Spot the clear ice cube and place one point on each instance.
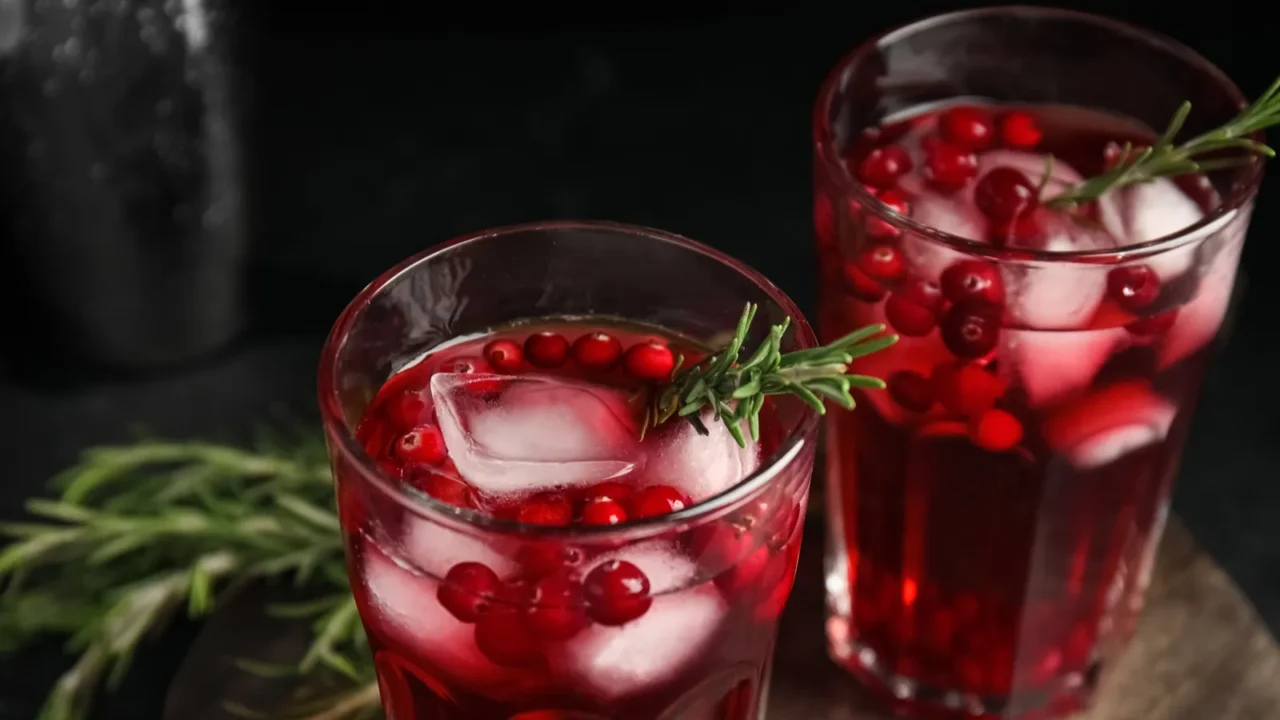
(536, 433)
(699, 465)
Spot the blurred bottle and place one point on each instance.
(122, 180)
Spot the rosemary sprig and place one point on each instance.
(1164, 159)
(140, 532)
(734, 390)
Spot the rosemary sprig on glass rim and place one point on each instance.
(1165, 159)
(734, 390)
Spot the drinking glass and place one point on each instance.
(968, 576)
(703, 649)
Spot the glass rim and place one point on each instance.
(343, 439)
(1248, 177)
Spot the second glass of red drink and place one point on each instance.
(995, 514)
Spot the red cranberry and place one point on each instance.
(966, 389)
(444, 488)
(911, 390)
(503, 355)
(603, 512)
(423, 444)
(597, 351)
(546, 349)
(1020, 130)
(883, 165)
(949, 167)
(468, 590)
(502, 634)
(720, 545)
(1133, 287)
(861, 285)
(546, 508)
(973, 280)
(883, 262)
(556, 610)
(745, 572)
(971, 329)
(391, 468)
(995, 430)
(617, 592)
(408, 409)
(649, 361)
(1022, 231)
(547, 558)
(967, 127)
(912, 309)
(657, 500)
(881, 228)
(613, 490)
(1154, 325)
(1005, 194)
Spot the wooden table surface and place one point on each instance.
(1201, 653)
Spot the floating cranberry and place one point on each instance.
(967, 127)
(503, 355)
(468, 590)
(971, 329)
(883, 165)
(556, 609)
(949, 167)
(547, 558)
(444, 488)
(913, 309)
(617, 592)
(995, 430)
(613, 490)
(720, 545)
(881, 228)
(423, 444)
(407, 409)
(1022, 231)
(745, 572)
(391, 468)
(658, 500)
(973, 280)
(502, 634)
(545, 508)
(911, 390)
(1154, 325)
(966, 389)
(1133, 287)
(546, 349)
(597, 351)
(1020, 130)
(603, 512)
(1005, 194)
(883, 262)
(860, 284)
(649, 361)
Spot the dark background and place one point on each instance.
(379, 130)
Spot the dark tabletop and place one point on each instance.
(378, 134)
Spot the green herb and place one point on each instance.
(1164, 159)
(734, 390)
(140, 532)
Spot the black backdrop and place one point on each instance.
(381, 128)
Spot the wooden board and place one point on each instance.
(1201, 653)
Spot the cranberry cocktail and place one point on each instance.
(995, 513)
(526, 538)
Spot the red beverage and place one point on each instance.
(998, 507)
(573, 572)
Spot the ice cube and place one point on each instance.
(1153, 210)
(1052, 365)
(539, 432)
(699, 465)
(408, 612)
(435, 548)
(613, 662)
(1109, 423)
(928, 258)
(1058, 295)
(1199, 319)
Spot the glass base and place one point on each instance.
(910, 698)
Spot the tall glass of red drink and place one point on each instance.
(994, 515)
(517, 549)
